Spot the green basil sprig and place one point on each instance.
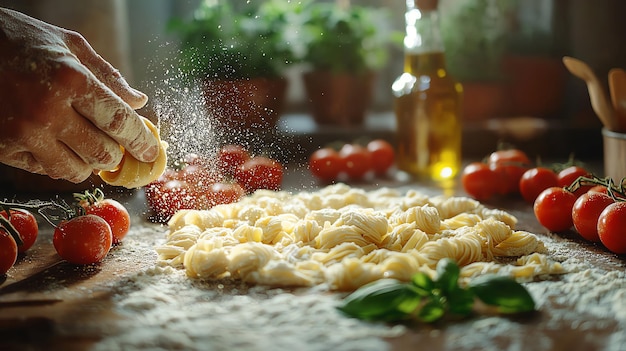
(429, 300)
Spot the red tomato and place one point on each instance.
(357, 160)
(383, 155)
(479, 181)
(598, 189)
(510, 165)
(218, 193)
(325, 164)
(612, 227)
(114, 213)
(164, 199)
(586, 212)
(260, 172)
(83, 240)
(553, 209)
(536, 180)
(568, 175)
(8, 251)
(26, 225)
(230, 157)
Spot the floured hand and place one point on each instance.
(65, 111)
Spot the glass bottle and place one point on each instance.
(427, 100)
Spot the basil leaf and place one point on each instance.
(431, 311)
(503, 292)
(448, 273)
(383, 300)
(461, 301)
(422, 282)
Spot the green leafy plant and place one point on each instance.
(428, 300)
(351, 39)
(229, 41)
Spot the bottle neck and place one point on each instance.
(423, 45)
(422, 31)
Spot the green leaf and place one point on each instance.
(431, 311)
(423, 282)
(503, 292)
(382, 300)
(461, 301)
(447, 275)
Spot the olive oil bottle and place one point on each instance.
(427, 100)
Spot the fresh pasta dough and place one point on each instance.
(345, 237)
(132, 173)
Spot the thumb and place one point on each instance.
(104, 71)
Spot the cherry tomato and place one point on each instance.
(114, 213)
(8, 251)
(357, 160)
(568, 175)
(326, 164)
(553, 209)
(479, 181)
(230, 157)
(383, 155)
(510, 165)
(536, 180)
(218, 193)
(260, 172)
(83, 240)
(598, 189)
(26, 225)
(586, 212)
(611, 227)
(164, 199)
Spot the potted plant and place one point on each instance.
(532, 62)
(345, 45)
(475, 39)
(239, 53)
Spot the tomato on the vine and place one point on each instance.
(230, 157)
(326, 164)
(611, 224)
(509, 165)
(114, 213)
(479, 181)
(357, 160)
(260, 172)
(568, 175)
(8, 251)
(382, 154)
(26, 225)
(536, 180)
(83, 240)
(553, 209)
(586, 212)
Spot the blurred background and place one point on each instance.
(507, 54)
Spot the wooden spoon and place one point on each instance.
(599, 99)
(617, 88)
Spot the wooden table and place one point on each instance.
(48, 304)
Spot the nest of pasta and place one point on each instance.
(344, 237)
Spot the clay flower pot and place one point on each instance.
(245, 104)
(338, 98)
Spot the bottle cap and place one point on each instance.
(426, 5)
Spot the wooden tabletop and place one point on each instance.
(48, 304)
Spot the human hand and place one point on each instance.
(64, 110)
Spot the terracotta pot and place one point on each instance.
(338, 99)
(250, 104)
(537, 85)
(485, 100)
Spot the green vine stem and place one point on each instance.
(616, 191)
(51, 211)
